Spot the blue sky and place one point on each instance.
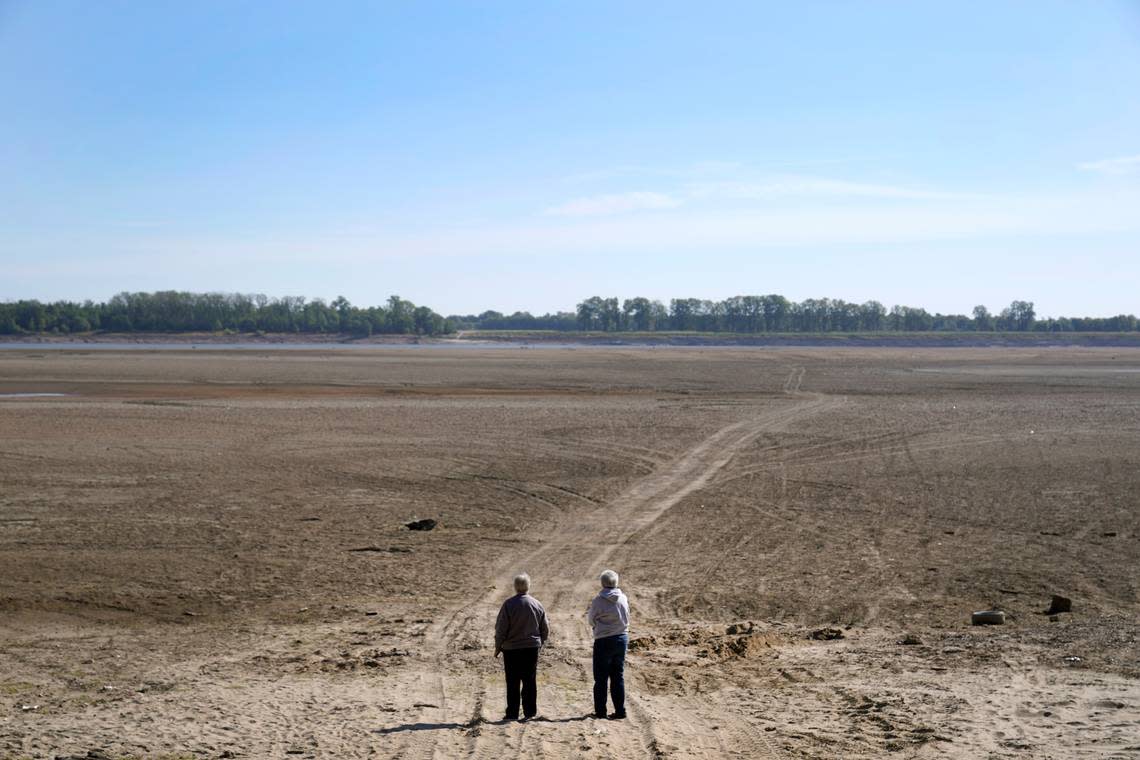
(473, 156)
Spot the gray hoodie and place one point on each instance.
(609, 613)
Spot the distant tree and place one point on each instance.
(983, 320)
(344, 312)
(871, 314)
(590, 314)
(777, 313)
(638, 314)
(1019, 315)
(401, 319)
(611, 315)
(685, 313)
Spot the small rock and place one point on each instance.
(910, 640)
(1059, 604)
(988, 617)
(826, 634)
(1072, 660)
(426, 524)
(737, 628)
(1054, 618)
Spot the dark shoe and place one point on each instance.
(600, 716)
(510, 717)
(617, 716)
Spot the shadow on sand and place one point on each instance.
(474, 724)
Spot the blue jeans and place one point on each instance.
(609, 665)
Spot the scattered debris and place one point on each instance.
(1109, 534)
(1059, 604)
(988, 617)
(29, 708)
(425, 524)
(910, 640)
(826, 634)
(1072, 660)
(643, 642)
(736, 628)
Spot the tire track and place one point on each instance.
(565, 567)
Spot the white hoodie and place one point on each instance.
(609, 613)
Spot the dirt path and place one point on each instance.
(462, 704)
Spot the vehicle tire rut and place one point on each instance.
(565, 567)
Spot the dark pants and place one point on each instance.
(520, 666)
(609, 665)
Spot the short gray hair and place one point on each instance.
(522, 583)
(609, 579)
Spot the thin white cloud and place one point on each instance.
(799, 186)
(1119, 165)
(707, 231)
(605, 205)
(767, 188)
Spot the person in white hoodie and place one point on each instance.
(609, 617)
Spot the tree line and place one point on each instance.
(174, 312)
(777, 314)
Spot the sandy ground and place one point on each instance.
(203, 554)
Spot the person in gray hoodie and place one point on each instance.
(609, 617)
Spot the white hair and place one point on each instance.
(609, 579)
(522, 583)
